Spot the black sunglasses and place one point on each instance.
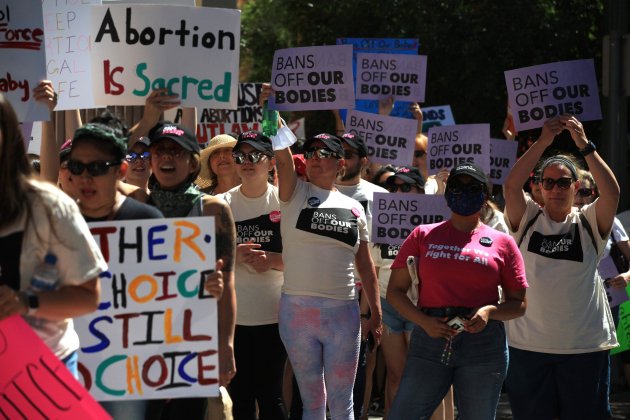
(402, 188)
(253, 157)
(321, 153)
(419, 153)
(459, 187)
(133, 156)
(585, 192)
(563, 183)
(96, 168)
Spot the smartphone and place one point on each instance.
(458, 323)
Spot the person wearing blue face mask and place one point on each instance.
(458, 338)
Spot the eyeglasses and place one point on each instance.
(563, 183)
(253, 157)
(96, 168)
(586, 192)
(419, 153)
(133, 156)
(175, 152)
(402, 188)
(321, 153)
(459, 187)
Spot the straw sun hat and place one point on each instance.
(218, 142)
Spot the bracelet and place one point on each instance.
(365, 316)
(588, 149)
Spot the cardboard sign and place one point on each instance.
(451, 145)
(312, 78)
(623, 329)
(436, 116)
(539, 93)
(388, 139)
(22, 57)
(502, 158)
(400, 76)
(395, 215)
(194, 52)
(68, 46)
(407, 46)
(34, 383)
(155, 332)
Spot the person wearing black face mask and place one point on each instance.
(458, 338)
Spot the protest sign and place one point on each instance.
(388, 139)
(154, 334)
(34, 383)
(451, 145)
(395, 215)
(312, 78)
(623, 329)
(539, 93)
(68, 46)
(436, 116)
(407, 46)
(502, 158)
(381, 76)
(191, 51)
(22, 57)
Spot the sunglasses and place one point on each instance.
(133, 156)
(96, 168)
(419, 153)
(585, 192)
(402, 188)
(459, 187)
(321, 153)
(253, 157)
(563, 183)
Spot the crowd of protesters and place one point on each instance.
(315, 303)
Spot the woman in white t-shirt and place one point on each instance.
(558, 349)
(324, 235)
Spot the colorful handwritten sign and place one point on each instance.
(623, 329)
(155, 332)
(539, 93)
(312, 78)
(34, 383)
(68, 46)
(436, 116)
(400, 76)
(389, 139)
(502, 158)
(451, 145)
(395, 215)
(191, 51)
(22, 56)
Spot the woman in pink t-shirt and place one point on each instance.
(459, 338)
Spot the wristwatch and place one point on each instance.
(32, 302)
(588, 149)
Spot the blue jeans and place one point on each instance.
(476, 368)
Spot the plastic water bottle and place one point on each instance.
(46, 276)
(270, 121)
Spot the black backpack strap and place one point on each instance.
(589, 230)
(527, 227)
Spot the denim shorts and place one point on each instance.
(394, 322)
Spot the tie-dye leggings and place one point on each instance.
(321, 336)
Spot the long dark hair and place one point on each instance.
(15, 169)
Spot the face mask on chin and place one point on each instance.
(466, 203)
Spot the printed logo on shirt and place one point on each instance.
(567, 246)
(314, 201)
(485, 241)
(389, 252)
(260, 230)
(275, 216)
(338, 224)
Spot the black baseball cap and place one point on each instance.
(257, 140)
(176, 132)
(471, 170)
(331, 142)
(408, 174)
(356, 142)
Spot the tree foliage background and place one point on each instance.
(469, 44)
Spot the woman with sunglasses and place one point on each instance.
(37, 219)
(175, 165)
(459, 338)
(325, 234)
(558, 349)
(258, 349)
(138, 158)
